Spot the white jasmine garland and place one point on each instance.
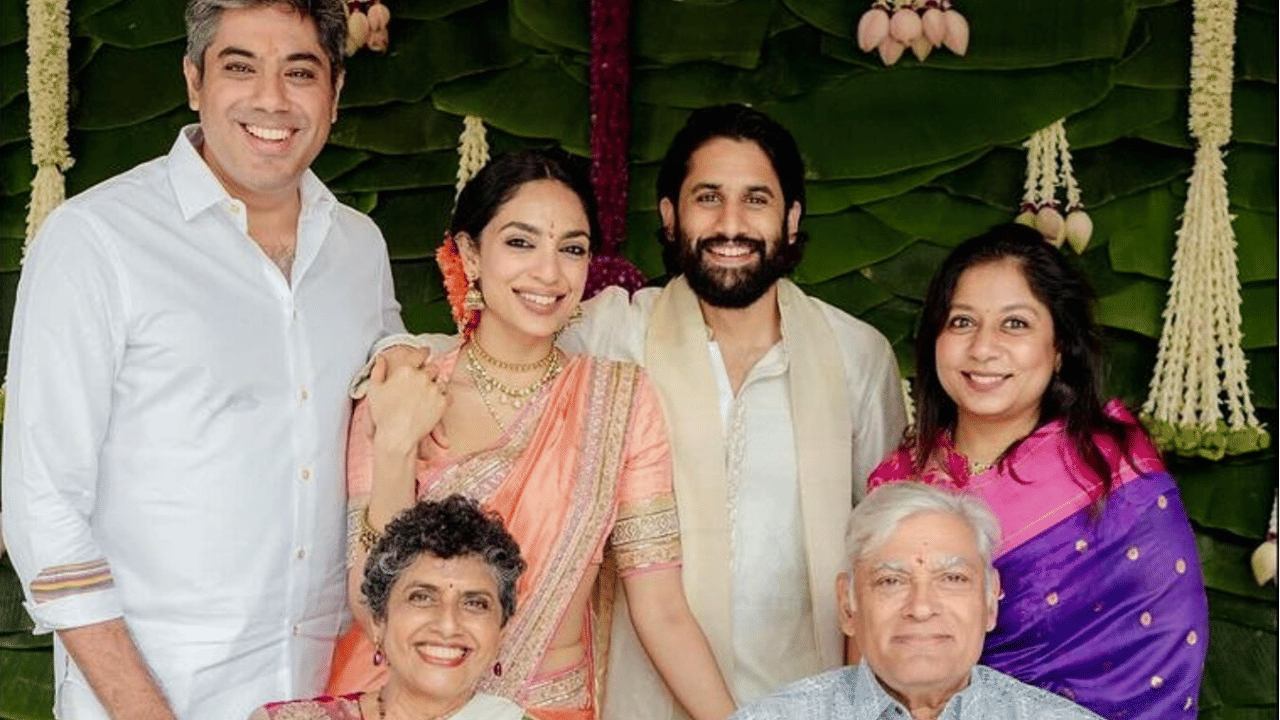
(1200, 370)
(47, 79)
(908, 403)
(473, 150)
(1049, 168)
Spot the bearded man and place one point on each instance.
(779, 405)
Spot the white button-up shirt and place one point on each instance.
(175, 431)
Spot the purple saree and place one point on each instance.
(1105, 608)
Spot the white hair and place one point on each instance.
(879, 515)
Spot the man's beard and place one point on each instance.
(730, 287)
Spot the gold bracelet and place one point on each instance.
(368, 536)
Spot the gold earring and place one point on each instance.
(474, 299)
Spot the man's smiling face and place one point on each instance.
(731, 223)
(266, 99)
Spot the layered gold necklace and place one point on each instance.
(488, 386)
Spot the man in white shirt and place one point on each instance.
(177, 407)
(779, 405)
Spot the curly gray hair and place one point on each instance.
(453, 527)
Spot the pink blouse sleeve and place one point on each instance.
(646, 535)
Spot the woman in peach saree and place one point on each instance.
(571, 451)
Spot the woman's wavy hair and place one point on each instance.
(1075, 391)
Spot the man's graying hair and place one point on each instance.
(879, 515)
(330, 19)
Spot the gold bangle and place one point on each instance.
(368, 536)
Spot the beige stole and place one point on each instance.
(677, 359)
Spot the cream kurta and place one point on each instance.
(843, 375)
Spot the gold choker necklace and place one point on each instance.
(486, 384)
(509, 366)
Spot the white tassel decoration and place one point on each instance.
(1264, 558)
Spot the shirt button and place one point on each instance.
(304, 394)
(301, 554)
(297, 630)
(306, 473)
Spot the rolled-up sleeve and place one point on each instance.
(67, 341)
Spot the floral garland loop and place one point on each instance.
(48, 41)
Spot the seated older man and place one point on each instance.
(919, 596)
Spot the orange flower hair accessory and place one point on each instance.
(455, 286)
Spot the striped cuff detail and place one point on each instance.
(62, 581)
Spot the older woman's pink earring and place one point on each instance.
(474, 300)
(379, 658)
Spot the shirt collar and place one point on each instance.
(879, 702)
(197, 189)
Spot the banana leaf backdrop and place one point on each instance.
(903, 163)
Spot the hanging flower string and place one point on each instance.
(1199, 401)
(473, 151)
(892, 26)
(1264, 558)
(48, 41)
(368, 25)
(47, 78)
(610, 140)
(1048, 169)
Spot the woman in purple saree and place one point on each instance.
(1102, 595)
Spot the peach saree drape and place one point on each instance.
(583, 469)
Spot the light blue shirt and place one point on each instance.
(853, 693)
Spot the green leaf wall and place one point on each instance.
(904, 162)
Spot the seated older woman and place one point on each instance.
(441, 584)
(1103, 597)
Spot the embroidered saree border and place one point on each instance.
(646, 533)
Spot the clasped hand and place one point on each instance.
(407, 397)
